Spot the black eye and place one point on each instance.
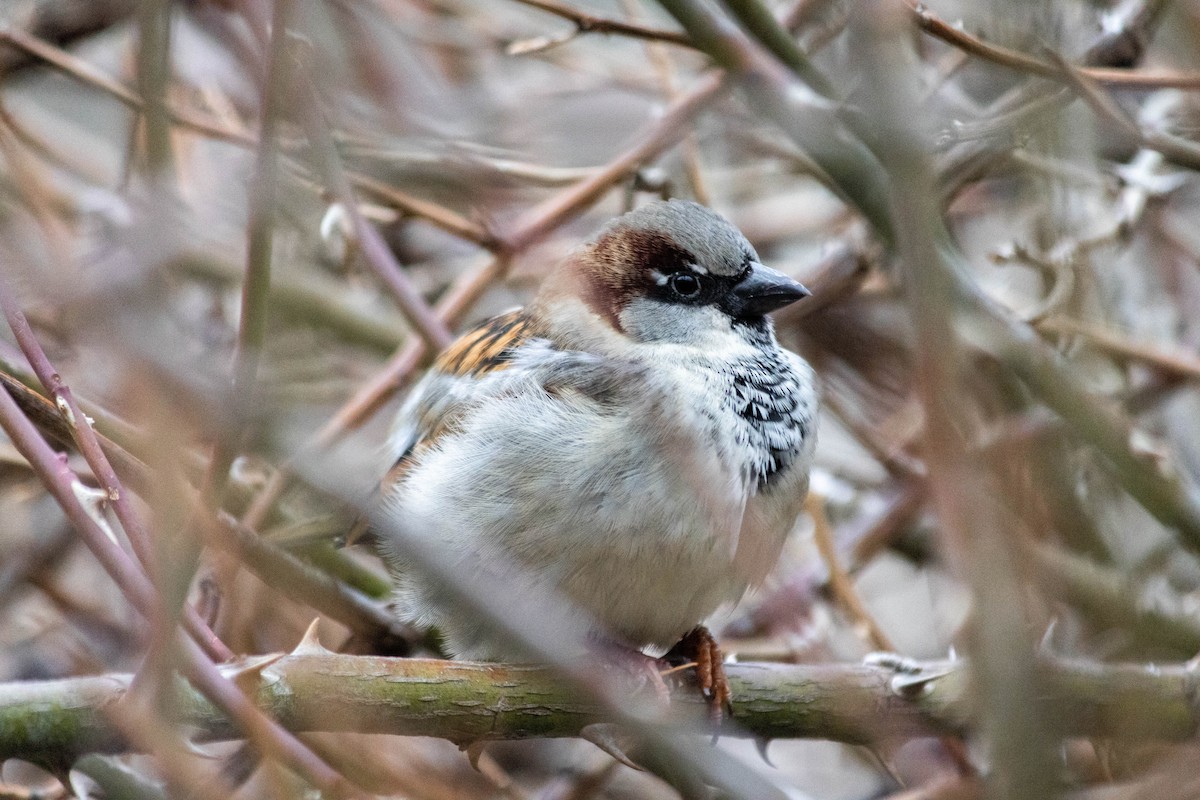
(685, 285)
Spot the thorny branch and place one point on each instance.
(463, 702)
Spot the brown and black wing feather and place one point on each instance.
(486, 349)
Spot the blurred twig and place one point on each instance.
(81, 433)
(1174, 148)
(279, 569)
(59, 21)
(303, 583)
(840, 583)
(199, 122)
(73, 497)
(971, 521)
(804, 112)
(275, 95)
(1108, 597)
(312, 300)
(154, 78)
(660, 57)
(535, 225)
(1178, 363)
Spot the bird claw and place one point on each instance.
(700, 648)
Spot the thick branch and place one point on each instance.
(462, 702)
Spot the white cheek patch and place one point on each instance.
(647, 320)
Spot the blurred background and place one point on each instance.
(239, 229)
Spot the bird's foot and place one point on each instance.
(699, 649)
(628, 669)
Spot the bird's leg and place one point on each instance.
(700, 648)
(629, 668)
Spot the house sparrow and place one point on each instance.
(635, 439)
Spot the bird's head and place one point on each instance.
(673, 271)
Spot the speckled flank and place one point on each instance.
(766, 394)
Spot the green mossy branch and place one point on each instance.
(56, 721)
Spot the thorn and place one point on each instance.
(908, 685)
(893, 661)
(910, 676)
(538, 44)
(64, 408)
(884, 763)
(93, 502)
(210, 753)
(604, 736)
(1047, 640)
(310, 644)
(247, 672)
(761, 745)
(474, 752)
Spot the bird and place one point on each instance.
(635, 439)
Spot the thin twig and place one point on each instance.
(436, 215)
(432, 330)
(267, 734)
(82, 434)
(666, 130)
(67, 489)
(1179, 364)
(1109, 598)
(63, 484)
(663, 66)
(881, 530)
(796, 103)
(840, 584)
(1176, 149)
(297, 580)
(533, 227)
(281, 570)
(930, 23)
(771, 33)
(88, 75)
(587, 23)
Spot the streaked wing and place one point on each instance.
(488, 347)
(457, 380)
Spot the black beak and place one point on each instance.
(762, 291)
